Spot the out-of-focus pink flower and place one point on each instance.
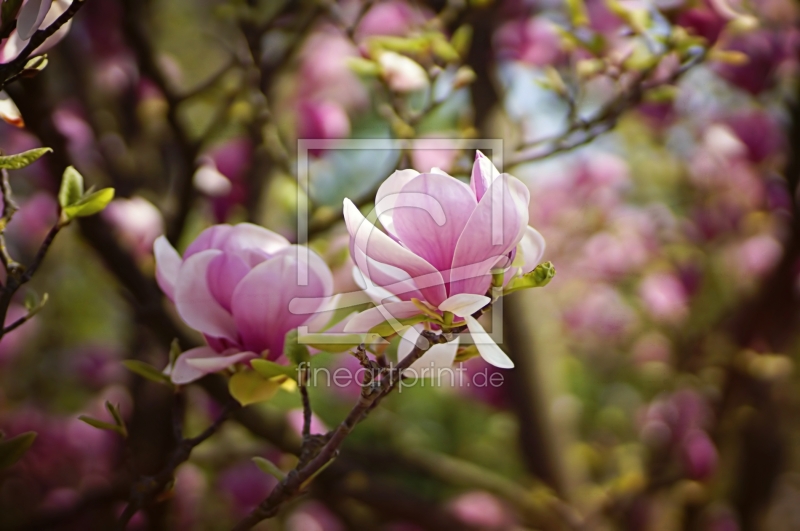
(652, 347)
(36, 216)
(192, 486)
(443, 240)
(533, 41)
(434, 158)
(402, 73)
(235, 284)
(756, 256)
(313, 516)
(699, 455)
(664, 297)
(325, 73)
(477, 379)
(245, 485)
(765, 50)
(322, 120)
(226, 183)
(481, 510)
(33, 15)
(295, 420)
(602, 312)
(702, 21)
(394, 17)
(137, 221)
(759, 132)
(14, 341)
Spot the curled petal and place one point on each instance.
(197, 362)
(9, 111)
(211, 238)
(31, 16)
(532, 246)
(387, 196)
(437, 357)
(487, 348)
(483, 175)
(495, 227)
(369, 319)
(168, 263)
(196, 304)
(254, 243)
(381, 248)
(382, 282)
(464, 304)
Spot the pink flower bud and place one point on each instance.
(699, 455)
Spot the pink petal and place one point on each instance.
(194, 301)
(532, 246)
(418, 219)
(168, 263)
(483, 175)
(31, 16)
(261, 300)
(381, 248)
(464, 304)
(255, 244)
(494, 229)
(381, 281)
(487, 348)
(182, 372)
(224, 274)
(368, 319)
(218, 363)
(211, 238)
(437, 357)
(387, 195)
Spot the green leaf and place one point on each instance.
(102, 425)
(114, 410)
(146, 371)
(270, 468)
(249, 387)
(11, 450)
(90, 204)
(537, 278)
(295, 352)
(20, 160)
(387, 328)
(71, 189)
(338, 343)
(270, 369)
(461, 39)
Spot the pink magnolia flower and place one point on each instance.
(235, 285)
(34, 15)
(443, 241)
(137, 221)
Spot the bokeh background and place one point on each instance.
(655, 386)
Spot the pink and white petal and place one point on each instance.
(211, 238)
(532, 246)
(168, 263)
(194, 301)
(224, 274)
(31, 16)
(387, 194)
(217, 363)
(382, 281)
(483, 175)
(437, 357)
(369, 319)
(494, 229)
(381, 248)
(487, 348)
(183, 373)
(255, 244)
(57, 8)
(464, 304)
(261, 302)
(430, 214)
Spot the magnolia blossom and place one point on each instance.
(34, 15)
(444, 240)
(402, 73)
(235, 284)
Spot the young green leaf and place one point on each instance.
(11, 450)
(20, 160)
(537, 278)
(71, 187)
(174, 352)
(295, 352)
(270, 369)
(270, 468)
(147, 371)
(249, 387)
(338, 343)
(102, 425)
(114, 410)
(90, 204)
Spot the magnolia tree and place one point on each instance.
(284, 297)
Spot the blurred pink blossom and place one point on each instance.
(137, 222)
(664, 297)
(481, 510)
